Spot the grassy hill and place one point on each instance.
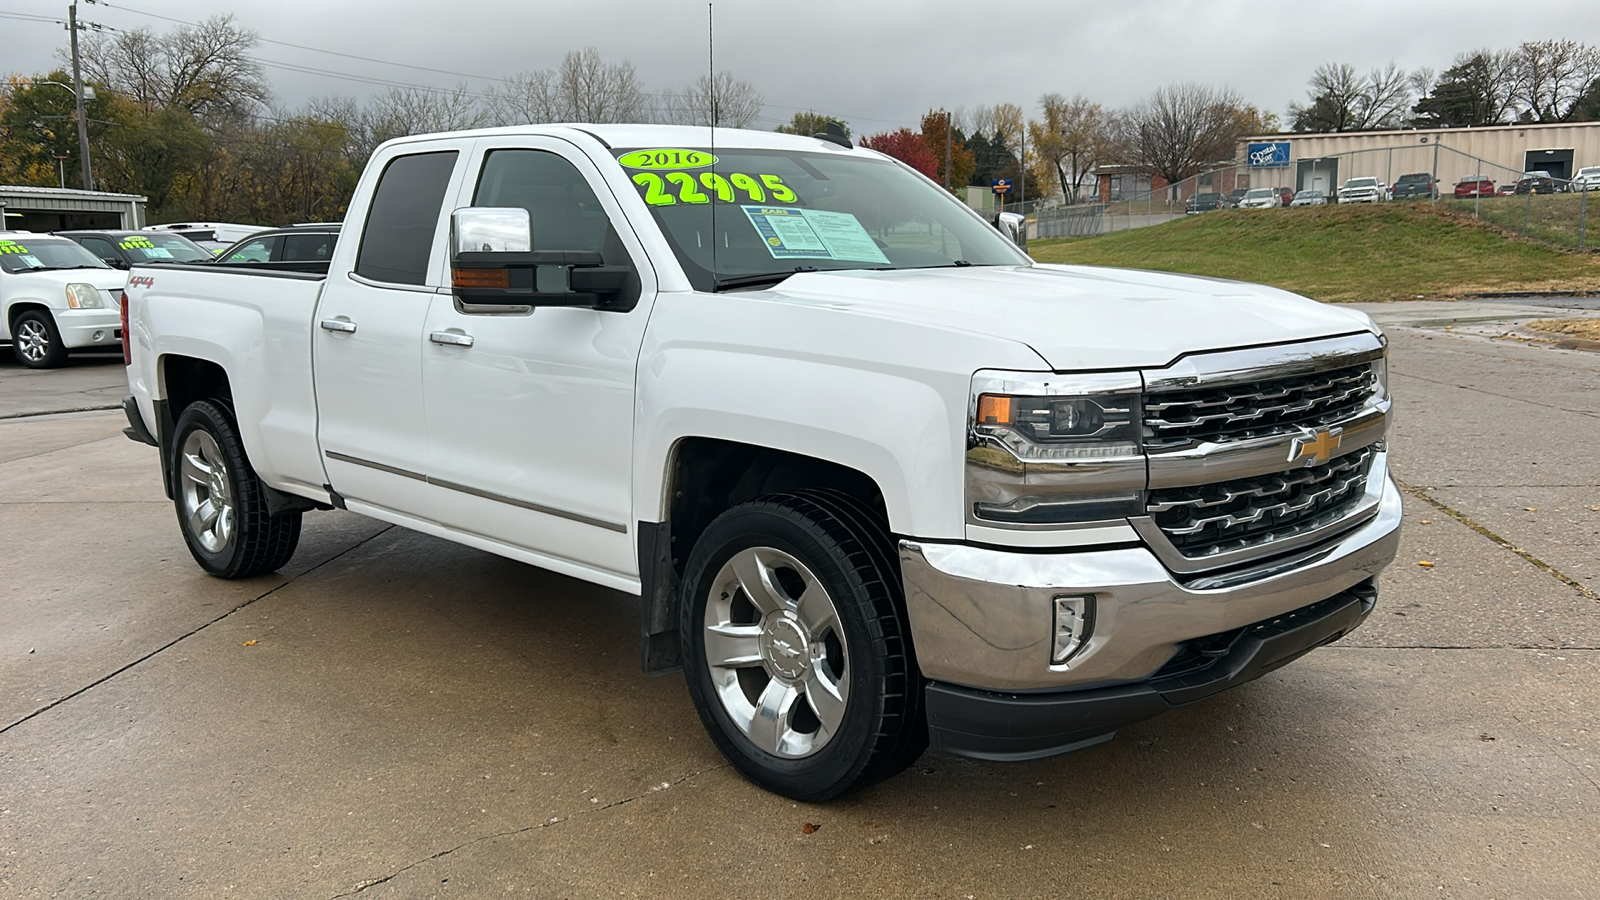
(1340, 253)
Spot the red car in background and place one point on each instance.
(1474, 186)
(1285, 196)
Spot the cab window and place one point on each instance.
(257, 251)
(565, 212)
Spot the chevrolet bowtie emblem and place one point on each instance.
(1316, 447)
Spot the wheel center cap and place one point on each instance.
(784, 647)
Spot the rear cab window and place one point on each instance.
(397, 237)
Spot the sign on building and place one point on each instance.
(1267, 155)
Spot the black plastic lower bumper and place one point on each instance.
(1001, 726)
(136, 430)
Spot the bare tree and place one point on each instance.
(204, 69)
(737, 104)
(1072, 137)
(1550, 77)
(584, 88)
(412, 110)
(1343, 100)
(1180, 130)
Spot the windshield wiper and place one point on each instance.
(763, 278)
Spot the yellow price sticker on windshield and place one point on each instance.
(136, 243)
(666, 158)
(12, 247)
(673, 188)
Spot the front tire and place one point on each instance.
(36, 340)
(796, 652)
(221, 504)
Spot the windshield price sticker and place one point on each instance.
(12, 247)
(790, 233)
(136, 243)
(154, 252)
(683, 187)
(666, 158)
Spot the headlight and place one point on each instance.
(84, 296)
(1046, 450)
(1380, 377)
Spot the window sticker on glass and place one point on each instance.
(153, 252)
(136, 243)
(813, 234)
(666, 158)
(12, 247)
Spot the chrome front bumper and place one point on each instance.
(984, 618)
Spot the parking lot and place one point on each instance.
(396, 716)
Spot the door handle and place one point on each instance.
(341, 324)
(451, 338)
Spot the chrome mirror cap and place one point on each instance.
(485, 229)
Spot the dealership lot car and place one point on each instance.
(1586, 179)
(1206, 202)
(1261, 198)
(1418, 185)
(55, 297)
(126, 249)
(1537, 183)
(1309, 198)
(304, 248)
(1104, 494)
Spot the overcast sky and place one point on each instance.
(878, 64)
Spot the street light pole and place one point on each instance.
(77, 92)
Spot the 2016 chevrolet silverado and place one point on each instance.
(878, 477)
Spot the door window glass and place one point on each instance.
(565, 212)
(312, 247)
(397, 240)
(100, 247)
(257, 251)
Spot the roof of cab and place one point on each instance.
(636, 136)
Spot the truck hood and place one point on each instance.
(1080, 318)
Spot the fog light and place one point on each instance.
(99, 336)
(1074, 619)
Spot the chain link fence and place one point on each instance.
(1554, 207)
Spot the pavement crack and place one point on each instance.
(58, 412)
(1465, 387)
(1546, 648)
(1463, 518)
(555, 820)
(183, 637)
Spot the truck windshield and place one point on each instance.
(743, 214)
(28, 253)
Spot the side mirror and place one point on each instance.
(493, 263)
(115, 263)
(1014, 226)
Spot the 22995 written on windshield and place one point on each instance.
(662, 187)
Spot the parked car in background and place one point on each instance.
(1285, 196)
(1206, 202)
(1586, 179)
(1537, 183)
(55, 296)
(1309, 198)
(1260, 198)
(1362, 190)
(1415, 186)
(126, 249)
(1475, 186)
(1237, 194)
(299, 248)
(213, 236)
(1506, 190)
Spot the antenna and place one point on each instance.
(711, 89)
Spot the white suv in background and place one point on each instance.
(56, 296)
(1586, 179)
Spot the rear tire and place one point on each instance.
(221, 504)
(795, 647)
(36, 340)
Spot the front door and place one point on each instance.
(530, 414)
(368, 336)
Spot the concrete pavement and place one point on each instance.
(397, 716)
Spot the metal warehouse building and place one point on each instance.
(55, 209)
(1324, 161)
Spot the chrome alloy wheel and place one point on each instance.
(208, 506)
(776, 652)
(33, 340)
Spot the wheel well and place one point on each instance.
(16, 310)
(707, 477)
(186, 379)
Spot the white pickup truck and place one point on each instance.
(878, 477)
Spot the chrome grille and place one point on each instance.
(1234, 515)
(1177, 420)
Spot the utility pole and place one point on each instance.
(77, 91)
(947, 140)
(1022, 193)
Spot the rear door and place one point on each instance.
(367, 336)
(530, 414)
